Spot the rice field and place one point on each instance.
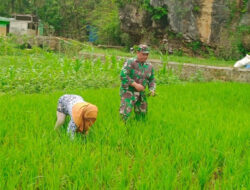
(196, 136)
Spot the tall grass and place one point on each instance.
(196, 136)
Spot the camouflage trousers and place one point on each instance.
(130, 100)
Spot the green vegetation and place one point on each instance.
(108, 27)
(46, 71)
(81, 20)
(244, 6)
(156, 13)
(176, 57)
(37, 70)
(196, 8)
(195, 45)
(195, 137)
(70, 18)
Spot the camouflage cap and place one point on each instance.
(143, 48)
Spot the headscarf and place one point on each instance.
(81, 112)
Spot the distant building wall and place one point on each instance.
(18, 27)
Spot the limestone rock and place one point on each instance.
(194, 20)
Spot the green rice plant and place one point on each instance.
(195, 136)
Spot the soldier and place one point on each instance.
(135, 75)
(82, 114)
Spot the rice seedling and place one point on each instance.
(196, 136)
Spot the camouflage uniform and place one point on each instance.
(141, 73)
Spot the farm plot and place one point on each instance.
(196, 136)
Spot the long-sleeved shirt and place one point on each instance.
(141, 73)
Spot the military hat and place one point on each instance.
(143, 48)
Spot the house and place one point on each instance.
(21, 24)
(24, 25)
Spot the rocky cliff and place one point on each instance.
(211, 22)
